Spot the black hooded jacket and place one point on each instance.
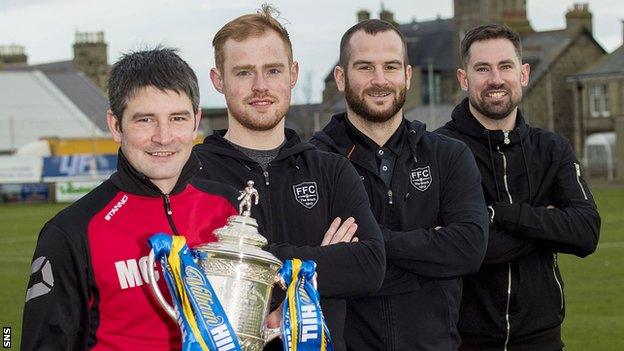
(301, 193)
(435, 182)
(542, 206)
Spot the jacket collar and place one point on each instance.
(339, 140)
(217, 144)
(128, 179)
(464, 122)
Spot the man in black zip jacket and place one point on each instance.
(424, 190)
(539, 204)
(302, 190)
(88, 288)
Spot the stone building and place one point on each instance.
(90, 58)
(598, 93)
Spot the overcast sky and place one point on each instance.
(46, 28)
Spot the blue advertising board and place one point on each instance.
(78, 167)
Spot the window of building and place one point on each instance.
(433, 91)
(599, 100)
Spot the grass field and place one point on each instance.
(594, 285)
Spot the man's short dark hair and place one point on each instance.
(161, 68)
(372, 27)
(488, 32)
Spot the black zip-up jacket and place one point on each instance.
(301, 192)
(516, 299)
(435, 182)
(88, 289)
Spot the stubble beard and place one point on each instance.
(359, 106)
(259, 122)
(495, 111)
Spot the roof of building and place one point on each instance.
(32, 106)
(76, 86)
(542, 49)
(430, 41)
(612, 64)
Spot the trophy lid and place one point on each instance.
(240, 235)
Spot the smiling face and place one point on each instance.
(156, 134)
(376, 78)
(494, 77)
(256, 78)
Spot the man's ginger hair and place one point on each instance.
(251, 25)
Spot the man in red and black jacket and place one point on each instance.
(88, 288)
(538, 202)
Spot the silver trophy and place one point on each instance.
(241, 273)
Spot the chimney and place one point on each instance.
(13, 55)
(386, 15)
(91, 57)
(363, 15)
(579, 16)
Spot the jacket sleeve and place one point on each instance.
(56, 309)
(573, 226)
(503, 247)
(459, 247)
(345, 269)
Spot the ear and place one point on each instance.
(462, 78)
(408, 76)
(114, 126)
(198, 116)
(524, 74)
(294, 74)
(339, 77)
(217, 79)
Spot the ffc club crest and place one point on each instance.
(306, 194)
(421, 178)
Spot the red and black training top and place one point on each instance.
(88, 288)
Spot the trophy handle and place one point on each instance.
(154, 285)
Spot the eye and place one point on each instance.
(179, 118)
(143, 120)
(274, 71)
(482, 69)
(364, 68)
(506, 67)
(243, 73)
(392, 67)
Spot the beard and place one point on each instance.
(364, 110)
(496, 111)
(255, 121)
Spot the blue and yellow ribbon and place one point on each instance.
(201, 318)
(303, 324)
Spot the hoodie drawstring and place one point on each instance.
(526, 166)
(293, 161)
(487, 134)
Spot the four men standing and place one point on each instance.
(388, 198)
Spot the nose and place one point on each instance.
(260, 84)
(379, 78)
(163, 134)
(495, 77)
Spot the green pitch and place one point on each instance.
(594, 285)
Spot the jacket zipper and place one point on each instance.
(577, 167)
(169, 214)
(266, 177)
(557, 279)
(505, 176)
(389, 197)
(506, 140)
(507, 322)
